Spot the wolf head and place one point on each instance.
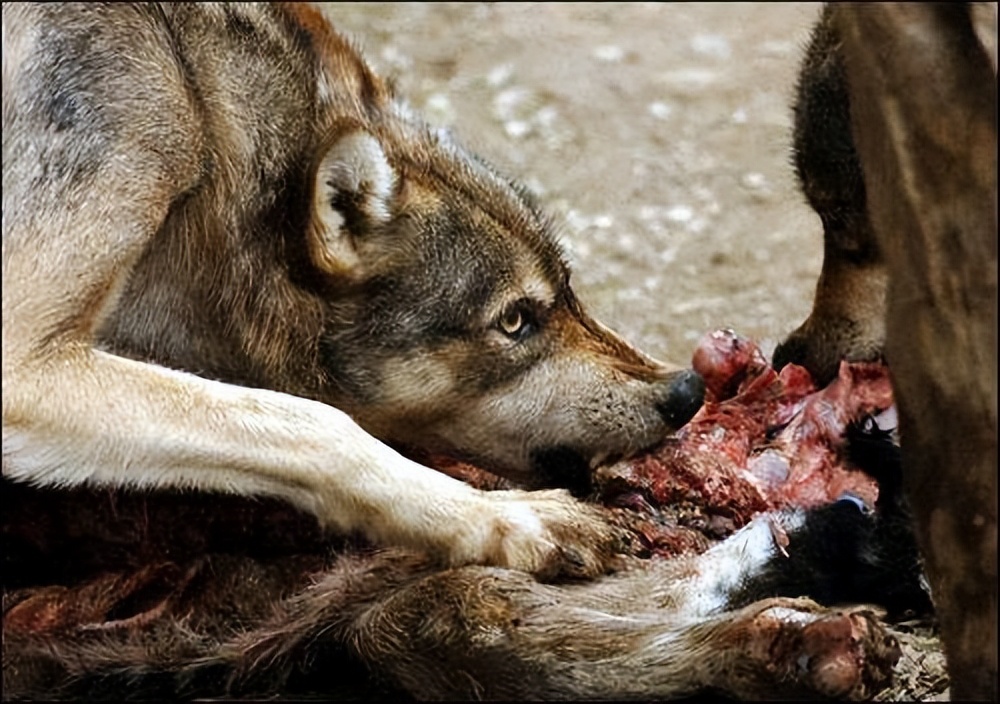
(454, 327)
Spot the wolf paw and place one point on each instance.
(551, 534)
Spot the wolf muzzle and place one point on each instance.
(567, 468)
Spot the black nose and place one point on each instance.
(684, 397)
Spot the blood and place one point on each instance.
(762, 441)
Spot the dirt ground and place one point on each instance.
(658, 136)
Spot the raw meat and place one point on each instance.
(763, 441)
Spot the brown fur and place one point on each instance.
(923, 89)
(207, 596)
(847, 319)
(895, 145)
(160, 212)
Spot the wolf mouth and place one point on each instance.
(562, 467)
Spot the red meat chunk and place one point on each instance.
(762, 441)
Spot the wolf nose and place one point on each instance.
(684, 397)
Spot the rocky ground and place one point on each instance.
(658, 136)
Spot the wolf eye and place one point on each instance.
(515, 322)
(511, 321)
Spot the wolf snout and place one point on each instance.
(683, 396)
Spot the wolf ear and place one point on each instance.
(354, 184)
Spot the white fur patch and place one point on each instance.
(324, 92)
(984, 23)
(726, 566)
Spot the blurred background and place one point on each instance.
(657, 135)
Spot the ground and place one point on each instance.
(658, 136)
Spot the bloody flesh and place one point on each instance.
(762, 441)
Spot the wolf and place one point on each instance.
(246, 244)
(895, 148)
(234, 260)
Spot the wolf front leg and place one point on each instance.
(89, 417)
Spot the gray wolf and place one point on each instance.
(895, 146)
(234, 261)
